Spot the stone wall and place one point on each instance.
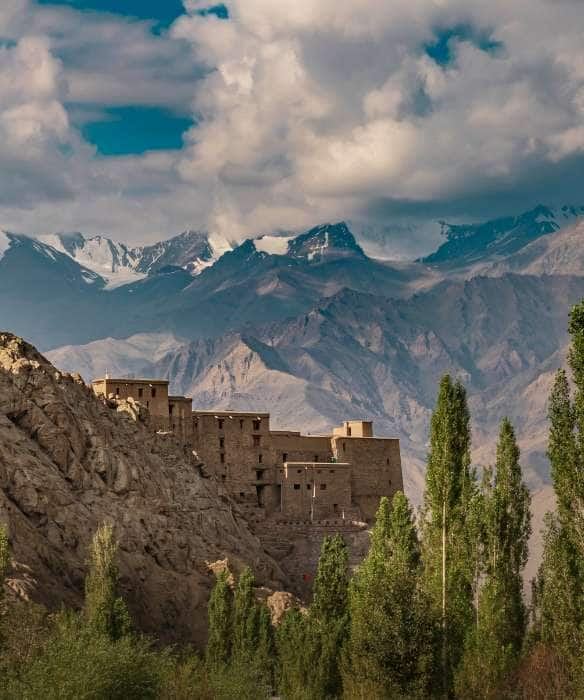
(315, 491)
(375, 469)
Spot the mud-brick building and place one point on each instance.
(172, 413)
(280, 474)
(295, 476)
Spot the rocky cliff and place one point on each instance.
(69, 461)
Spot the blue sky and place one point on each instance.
(122, 130)
(163, 11)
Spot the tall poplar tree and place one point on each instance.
(327, 622)
(448, 552)
(105, 609)
(493, 646)
(391, 638)
(559, 588)
(220, 613)
(4, 558)
(245, 618)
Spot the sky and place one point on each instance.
(137, 119)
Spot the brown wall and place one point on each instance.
(375, 469)
(139, 390)
(315, 491)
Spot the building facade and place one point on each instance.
(280, 474)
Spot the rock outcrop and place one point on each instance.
(69, 461)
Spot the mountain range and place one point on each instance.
(313, 329)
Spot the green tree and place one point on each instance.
(494, 645)
(4, 557)
(293, 658)
(105, 610)
(448, 547)
(245, 618)
(327, 618)
(392, 633)
(220, 612)
(559, 600)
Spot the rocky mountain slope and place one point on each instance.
(357, 355)
(69, 462)
(471, 244)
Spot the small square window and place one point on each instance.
(284, 456)
(257, 440)
(323, 487)
(316, 458)
(296, 487)
(299, 471)
(241, 494)
(308, 486)
(220, 423)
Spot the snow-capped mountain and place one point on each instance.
(469, 244)
(118, 264)
(324, 241)
(114, 262)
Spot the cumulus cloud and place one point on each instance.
(36, 143)
(315, 108)
(304, 111)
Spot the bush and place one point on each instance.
(78, 663)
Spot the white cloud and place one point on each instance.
(308, 111)
(316, 107)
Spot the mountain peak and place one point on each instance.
(324, 241)
(471, 243)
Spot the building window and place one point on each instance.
(316, 458)
(387, 461)
(256, 424)
(241, 423)
(299, 471)
(222, 458)
(173, 426)
(221, 442)
(117, 391)
(284, 456)
(259, 474)
(147, 404)
(296, 487)
(259, 459)
(308, 486)
(241, 494)
(171, 409)
(153, 392)
(220, 423)
(331, 471)
(348, 432)
(256, 440)
(140, 393)
(344, 447)
(323, 487)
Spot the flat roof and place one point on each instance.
(180, 398)
(321, 465)
(231, 413)
(127, 380)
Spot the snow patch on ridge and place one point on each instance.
(4, 244)
(273, 245)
